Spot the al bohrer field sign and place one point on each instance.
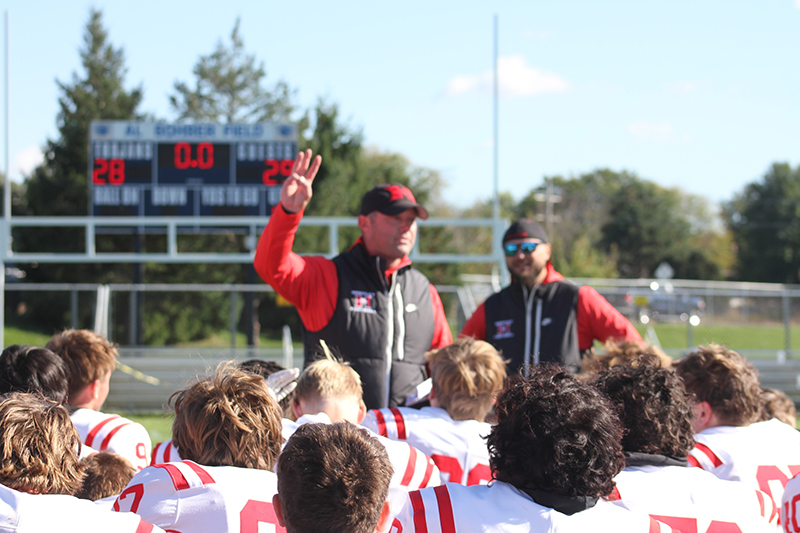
(158, 169)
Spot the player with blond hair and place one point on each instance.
(731, 443)
(91, 359)
(329, 391)
(466, 376)
(227, 429)
(40, 471)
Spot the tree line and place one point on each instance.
(606, 224)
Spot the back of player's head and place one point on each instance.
(106, 474)
(333, 478)
(38, 446)
(621, 353)
(655, 409)
(89, 356)
(228, 419)
(555, 434)
(265, 369)
(32, 369)
(327, 379)
(724, 379)
(466, 375)
(775, 404)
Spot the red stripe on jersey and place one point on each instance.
(708, 453)
(168, 452)
(204, 476)
(155, 453)
(428, 473)
(445, 509)
(760, 497)
(381, 422)
(418, 508)
(95, 430)
(399, 422)
(144, 527)
(615, 496)
(178, 479)
(104, 445)
(655, 525)
(693, 462)
(410, 467)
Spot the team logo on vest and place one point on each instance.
(362, 302)
(503, 329)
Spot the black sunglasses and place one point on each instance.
(511, 249)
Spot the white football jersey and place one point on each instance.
(164, 452)
(21, 512)
(790, 506)
(113, 433)
(413, 469)
(689, 499)
(765, 455)
(190, 498)
(499, 507)
(457, 447)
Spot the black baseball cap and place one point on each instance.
(391, 199)
(524, 228)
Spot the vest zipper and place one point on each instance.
(529, 297)
(390, 331)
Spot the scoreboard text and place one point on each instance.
(159, 169)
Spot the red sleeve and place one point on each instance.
(441, 329)
(476, 325)
(599, 320)
(309, 283)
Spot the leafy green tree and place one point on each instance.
(764, 220)
(229, 87)
(59, 186)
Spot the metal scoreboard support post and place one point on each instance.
(187, 170)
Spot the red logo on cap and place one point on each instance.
(399, 192)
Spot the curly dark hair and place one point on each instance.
(654, 407)
(556, 434)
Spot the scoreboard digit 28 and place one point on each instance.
(160, 169)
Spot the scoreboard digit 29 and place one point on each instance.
(160, 169)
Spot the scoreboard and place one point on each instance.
(161, 169)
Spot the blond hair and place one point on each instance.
(466, 375)
(775, 404)
(228, 419)
(89, 356)
(326, 379)
(724, 379)
(38, 446)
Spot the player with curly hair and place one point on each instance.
(554, 453)
(656, 413)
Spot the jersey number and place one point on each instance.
(480, 474)
(255, 512)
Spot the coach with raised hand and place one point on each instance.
(367, 303)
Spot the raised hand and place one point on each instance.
(296, 190)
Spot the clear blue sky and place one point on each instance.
(699, 94)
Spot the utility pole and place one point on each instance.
(549, 198)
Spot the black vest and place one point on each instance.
(373, 318)
(509, 318)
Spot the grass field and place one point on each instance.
(735, 336)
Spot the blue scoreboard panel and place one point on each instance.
(160, 169)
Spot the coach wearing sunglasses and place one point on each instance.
(541, 317)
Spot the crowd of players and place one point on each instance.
(633, 442)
